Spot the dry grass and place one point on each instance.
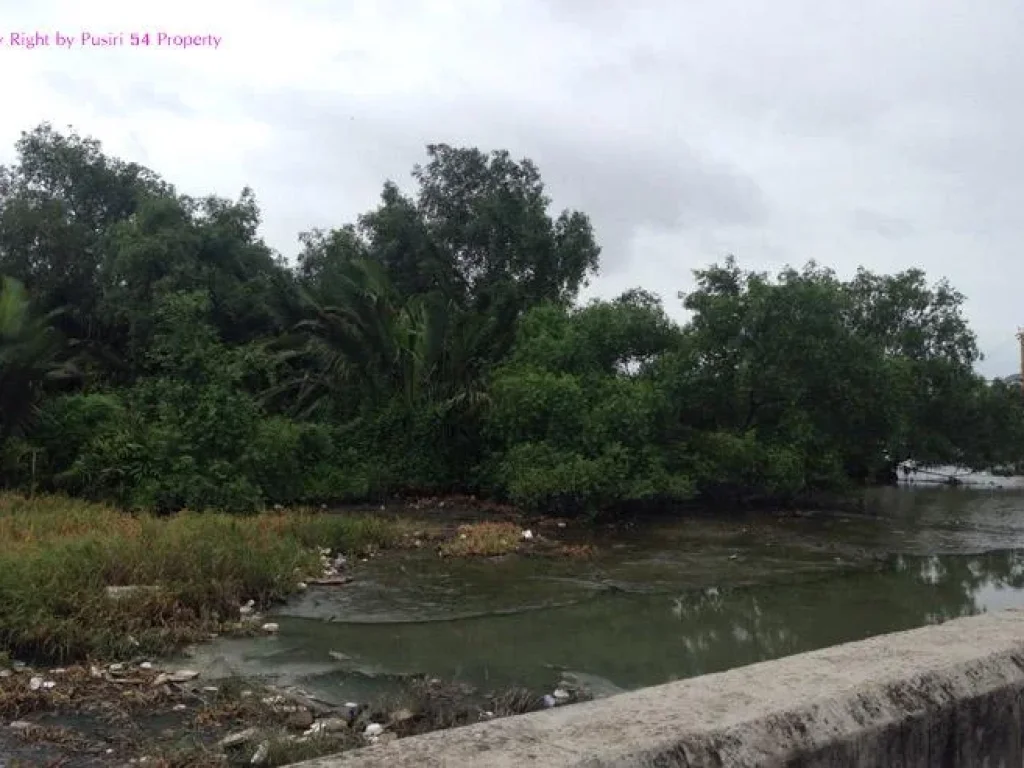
(492, 539)
(483, 539)
(58, 556)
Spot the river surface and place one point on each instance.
(659, 603)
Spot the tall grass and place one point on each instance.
(58, 556)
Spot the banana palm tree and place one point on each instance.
(370, 346)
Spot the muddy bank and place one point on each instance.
(493, 600)
(145, 713)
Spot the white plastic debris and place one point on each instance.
(261, 754)
(560, 694)
(527, 534)
(373, 729)
(35, 683)
(236, 739)
(270, 627)
(549, 701)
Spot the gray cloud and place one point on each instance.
(876, 133)
(99, 95)
(624, 182)
(890, 227)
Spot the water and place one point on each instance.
(658, 604)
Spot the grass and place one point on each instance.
(492, 539)
(59, 555)
(483, 539)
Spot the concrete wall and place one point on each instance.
(946, 695)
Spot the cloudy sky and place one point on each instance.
(883, 134)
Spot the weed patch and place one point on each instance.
(483, 539)
(61, 561)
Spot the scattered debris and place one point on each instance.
(131, 591)
(261, 754)
(181, 676)
(235, 739)
(327, 725)
(331, 581)
(401, 715)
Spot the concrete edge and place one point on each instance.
(884, 693)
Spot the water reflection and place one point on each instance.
(668, 601)
(643, 638)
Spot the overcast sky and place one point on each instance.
(883, 134)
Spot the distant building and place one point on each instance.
(1013, 378)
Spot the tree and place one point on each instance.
(31, 355)
(56, 204)
(488, 216)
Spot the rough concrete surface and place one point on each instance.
(944, 695)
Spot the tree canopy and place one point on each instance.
(156, 352)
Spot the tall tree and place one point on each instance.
(488, 215)
(56, 204)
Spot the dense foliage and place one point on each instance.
(155, 352)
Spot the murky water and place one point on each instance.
(664, 603)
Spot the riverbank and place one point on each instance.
(81, 580)
(91, 598)
(142, 713)
(97, 599)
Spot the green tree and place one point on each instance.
(32, 356)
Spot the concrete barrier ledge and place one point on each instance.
(943, 695)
